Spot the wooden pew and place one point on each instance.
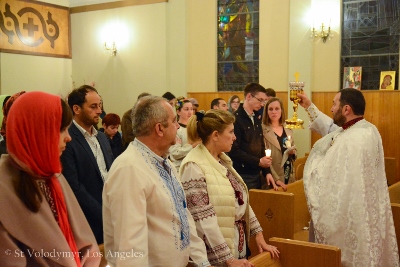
(394, 193)
(294, 253)
(298, 167)
(281, 214)
(265, 260)
(391, 170)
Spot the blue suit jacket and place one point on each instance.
(83, 175)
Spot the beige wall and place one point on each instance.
(274, 44)
(285, 48)
(172, 47)
(202, 45)
(141, 61)
(30, 73)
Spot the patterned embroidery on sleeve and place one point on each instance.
(218, 254)
(197, 199)
(312, 111)
(255, 226)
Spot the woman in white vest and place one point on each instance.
(216, 195)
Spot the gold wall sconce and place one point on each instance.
(111, 49)
(324, 33)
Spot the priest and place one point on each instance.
(346, 188)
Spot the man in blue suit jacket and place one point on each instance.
(88, 157)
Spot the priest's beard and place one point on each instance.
(338, 118)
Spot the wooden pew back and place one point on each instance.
(298, 167)
(295, 253)
(394, 193)
(265, 260)
(391, 170)
(281, 214)
(301, 214)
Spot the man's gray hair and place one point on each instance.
(146, 113)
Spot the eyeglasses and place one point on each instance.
(262, 101)
(235, 102)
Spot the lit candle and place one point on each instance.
(268, 152)
(288, 142)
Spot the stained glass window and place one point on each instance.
(238, 38)
(370, 38)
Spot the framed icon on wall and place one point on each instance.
(352, 77)
(387, 80)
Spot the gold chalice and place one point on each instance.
(294, 122)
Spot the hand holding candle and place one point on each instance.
(288, 142)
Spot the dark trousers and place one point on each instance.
(253, 181)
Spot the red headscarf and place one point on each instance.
(6, 109)
(33, 133)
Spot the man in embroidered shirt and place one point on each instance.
(345, 185)
(248, 150)
(88, 157)
(144, 208)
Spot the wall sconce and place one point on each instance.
(323, 34)
(112, 50)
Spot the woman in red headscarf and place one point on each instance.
(41, 223)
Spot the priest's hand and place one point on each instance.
(263, 246)
(305, 102)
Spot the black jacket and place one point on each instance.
(249, 146)
(83, 175)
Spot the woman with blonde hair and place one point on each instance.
(280, 141)
(41, 222)
(216, 195)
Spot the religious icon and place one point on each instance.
(387, 80)
(352, 77)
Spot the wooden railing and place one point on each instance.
(294, 253)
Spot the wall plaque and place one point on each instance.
(34, 28)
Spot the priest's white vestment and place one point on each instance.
(347, 196)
